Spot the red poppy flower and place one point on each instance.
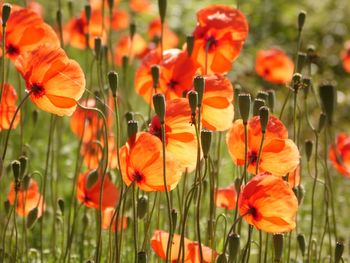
(140, 6)
(222, 31)
(170, 39)
(226, 197)
(8, 107)
(269, 204)
(339, 154)
(25, 31)
(279, 155)
(133, 49)
(194, 253)
(180, 136)
(91, 196)
(345, 56)
(274, 66)
(120, 20)
(294, 177)
(107, 216)
(56, 82)
(141, 161)
(97, 4)
(27, 199)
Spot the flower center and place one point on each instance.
(172, 84)
(37, 90)
(156, 129)
(138, 177)
(211, 43)
(255, 213)
(252, 157)
(12, 50)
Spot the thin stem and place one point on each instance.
(3, 61)
(134, 212)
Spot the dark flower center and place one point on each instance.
(37, 90)
(12, 50)
(79, 26)
(254, 212)
(211, 43)
(156, 129)
(252, 157)
(138, 177)
(172, 84)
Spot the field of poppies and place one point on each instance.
(174, 131)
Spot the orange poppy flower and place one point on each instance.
(124, 47)
(270, 203)
(120, 20)
(55, 82)
(279, 155)
(139, 6)
(170, 39)
(25, 31)
(36, 7)
(8, 108)
(107, 216)
(274, 65)
(226, 197)
(97, 4)
(91, 196)
(75, 30)
(180, 135)
(141, 161)
(217, 107)
(159, 242)
(222, 30)
(345, 56)
(339, 154)
(27, 199)
(294, 177)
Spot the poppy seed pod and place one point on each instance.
(233, 246)
(7, 206)
(132, 30)
(92, 178)
(206, 142)
(258, 103)
(174, 218)
(16, 169)
(244, 101)
(60, 203)
(308, 149)
(87, 9)
(301, 243)
(142, 206)
(328, 96)
(6, 11)
(26, 181)
(306, 84)
(98, 47)
(301, 194)
(129, 116)
(271, 99)
(162, 9)
(321, 122)
(155, 76)
(199, 85)
(132, 128)
(278, 246)
(190, 44)
(193, 101)
(262, 95)
(301, 19)
(113, 82)
(264, 117)
(159, 106)
(296, 81)
(23, 160)
(125, 63)
(339, 249)
(32, 217)
(141, 257)
(59, 17)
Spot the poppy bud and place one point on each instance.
(32, 216)
(258, 103)
(142, 257)
(23, 160)
(113, 82)
(16, 169)
(301, 243)
(142, 206)
(92, 178)
(25, 182)
(190, 44)
(262, 95)
(59, 17)
(301, 19)
(199, 85)
(296, 81)
(271, 99)
(193, 101)
(278, 246)
(221, 258)
(328, 96)
(98, 47)
(159, 106)
(7, 206)
(233, 246)
(244, 101)
(125, 63)
(301, 194)
(87, 40)
(206, 142)
(301, 60)
(35, 114)
(110, 4)
(308, 149)
(129, 116)
(132, 29)
(162, 9)
(174, 218)
(237, 183)
(87, 13)
(321, 122)
(155, 76)
(264, 118)
(339, 249)
(6, 11)
(132, 128)
(60, 203)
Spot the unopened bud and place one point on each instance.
(321, 122)
(155, 76)
(98, 47)
(159, 106)
(92, 178)
(339, 249)
(233, 246)
(301, 243)
(301, 19)
(271, 99)
(6, 11)
(24, 161)
(113, 82)
(244, 101)
(328, 96)
(258, 103)
(193, 101)
(60, 203)
(190, 44)
(264, 117)
(132, 30)
(262, 95)
(278, 246)
(142, 206)
(87, 9)
(162, 4)
(132, 128)
(199, 85)
(308, 149)
(142, 257)
(206, 142)
(16, 169)
(32, 217)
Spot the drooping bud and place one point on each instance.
(129, 116)
(7, 206)
(244, 101)
(308, 149)
(32, 217)
(301, 194)
(328, 96)
(25, 182)
(142, 257)
(23, 160)
(162, 4)
(301, 243)
(155, 76)
(87, 9)
(189, 45)
(142, 206)
(321, 122)
(233, 246)
(125, 63)
(174, 218)
(92, 178)
(193, 101)
(113, 82)
(262, 95)
(264, 117)
(199, 86)
(278, 246)
(132, 30)
(6, 11)
(339, 249)
(301, 19)
(271, 99)
(60, 203)
(206, 136)
(258, 103)
(98, 47)
(16, 169)
(159, 106)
